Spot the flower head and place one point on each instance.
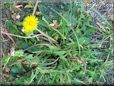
(30, 24)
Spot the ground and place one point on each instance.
(73, 43)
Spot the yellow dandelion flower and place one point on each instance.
(30, 24)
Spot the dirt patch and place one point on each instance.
(105, 7)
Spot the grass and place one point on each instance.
(74, 57)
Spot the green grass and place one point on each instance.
(73, 58)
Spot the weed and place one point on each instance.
(62, 50)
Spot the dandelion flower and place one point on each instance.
(30, 24)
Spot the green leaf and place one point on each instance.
(19, 53)
(11, 26)
(19, 23)
(84, 40)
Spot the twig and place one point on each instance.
(35, 7)
(45, 35)
(9, 37)
(51, 62)
(34, 46)
(21, 36)
(34, 36)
